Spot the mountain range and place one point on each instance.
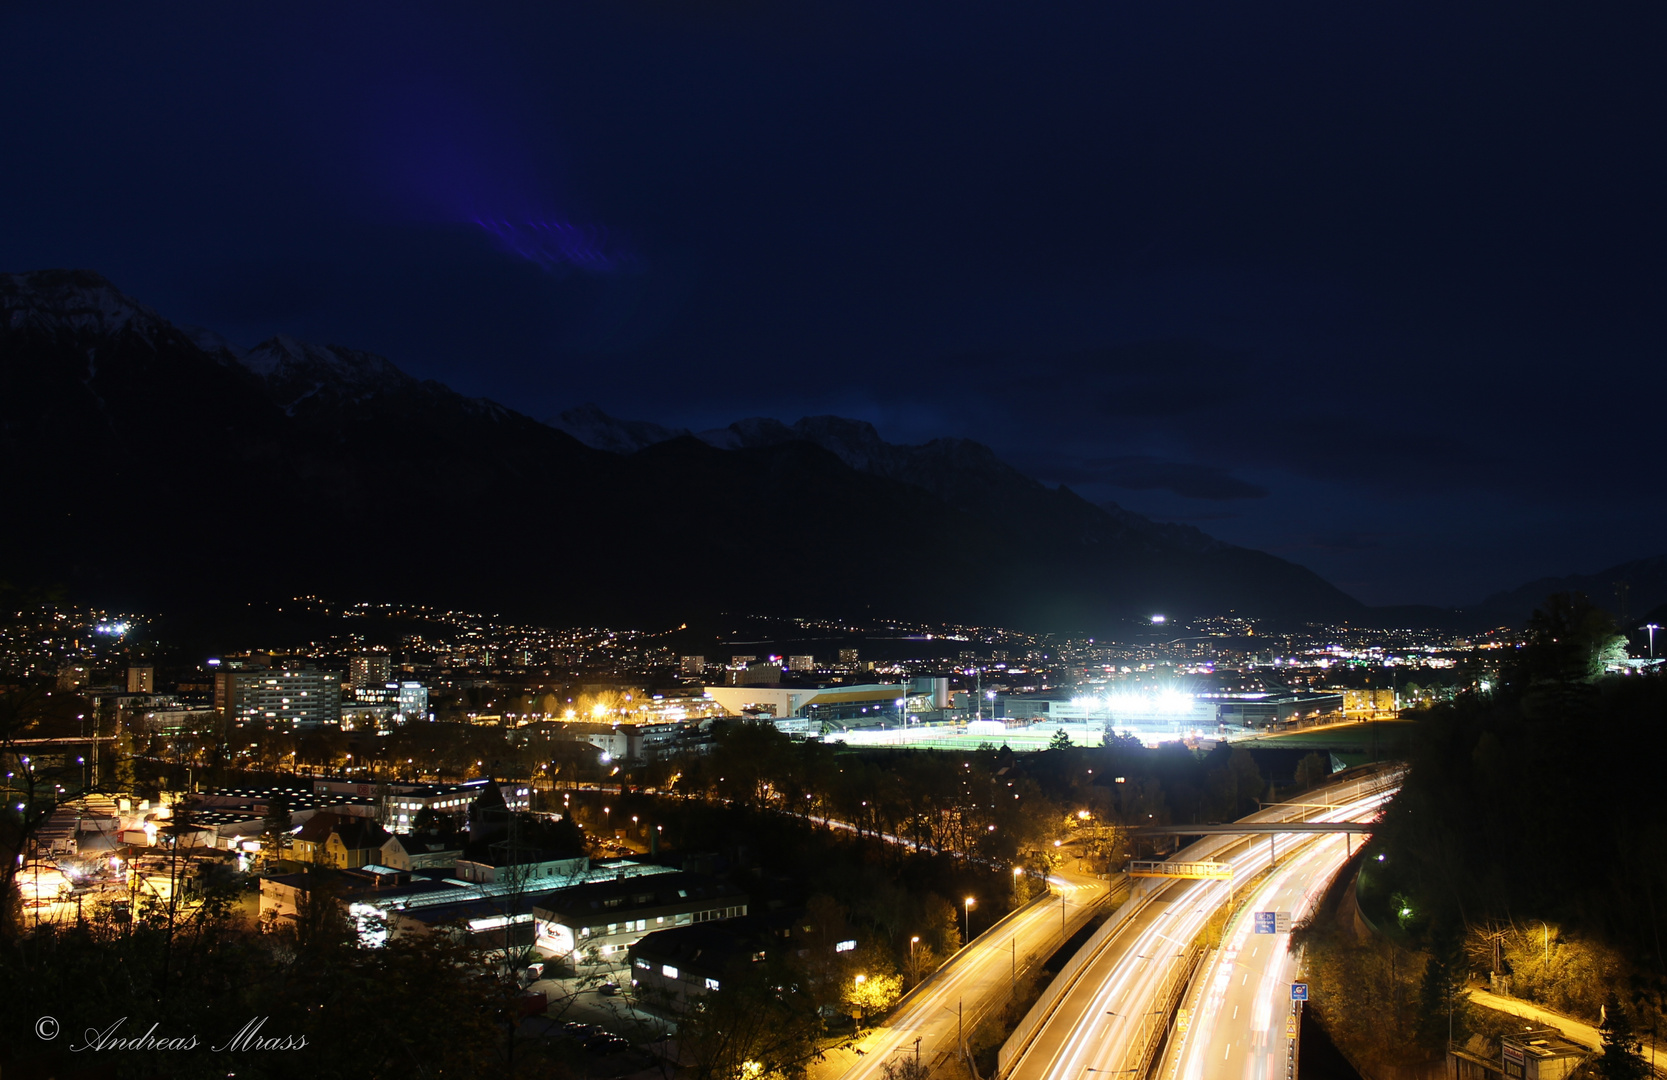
(154, 464)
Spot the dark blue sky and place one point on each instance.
(1377, 288)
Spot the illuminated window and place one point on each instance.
(845, 946)
(668, 971)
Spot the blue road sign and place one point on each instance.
(1299, 991)
(1266, 921)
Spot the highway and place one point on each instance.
(1240, 1002)
(975, 977)
(1112, 1015)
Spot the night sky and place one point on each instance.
(1377, 288)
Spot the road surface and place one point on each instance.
(973, 978)
(1241, 1023)
(1103, 1021)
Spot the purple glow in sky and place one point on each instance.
(558, 244)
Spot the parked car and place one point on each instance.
(606, 1043)
(608, 989)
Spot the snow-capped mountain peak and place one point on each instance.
(77, 301)
(283, 358)
(596, 429)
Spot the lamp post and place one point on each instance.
(1652, 628)
(914, 972)
(966, 919)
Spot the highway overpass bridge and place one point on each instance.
(1241, 828)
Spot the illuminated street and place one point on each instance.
(1240, 1001)
(958, 993)
(1112, 1013)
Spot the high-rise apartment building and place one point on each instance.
(141, 680)
(290, 697)
(370, 669)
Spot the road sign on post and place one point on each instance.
(1299, 991)
(1217, 871)
(1282, 922)
(1265, 922)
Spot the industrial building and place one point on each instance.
(835, 703)
(601, 920)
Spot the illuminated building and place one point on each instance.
(605, 918)
(369, 670)
(871, 703)
(413, 701)
(292, 697)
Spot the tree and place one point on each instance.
(1236, 786)
(31, 783)
(870, 995)
(1620, 1059)
(275, 828)
(906, 1067)
(757, 1026)
(1060, 741)
(125, 780)
(940, 925)
(1570, 640)
(1439, 992)
(1312, 770)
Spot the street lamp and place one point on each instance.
(966, 919)
(1652, 628)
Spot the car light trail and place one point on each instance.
(1105, 1020)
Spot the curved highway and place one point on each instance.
(1108, 1021)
